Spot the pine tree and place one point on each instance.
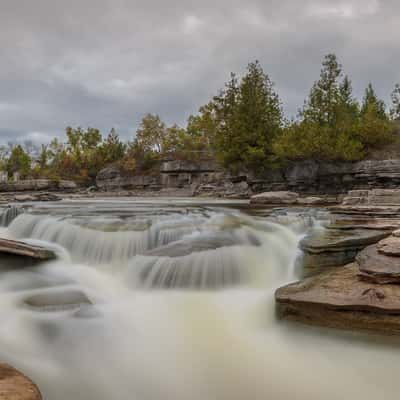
(249, 117)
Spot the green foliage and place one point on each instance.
(248, 118)
(19, 161)
(332, 126)
(242, 127)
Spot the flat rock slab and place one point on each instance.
(339, 299)
(275, 198)
(336, 240)
(390, 246)
(389, 224)
(15, 386)
(24, 249)
(377, 267)
(367, 210)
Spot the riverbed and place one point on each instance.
(174, 299)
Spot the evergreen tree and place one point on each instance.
(249, 117)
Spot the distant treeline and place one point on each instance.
(243, 127)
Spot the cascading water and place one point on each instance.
(86, 326)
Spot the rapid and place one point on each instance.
(174, 299)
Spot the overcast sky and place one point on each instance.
(105, 63)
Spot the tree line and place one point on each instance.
(243, 127)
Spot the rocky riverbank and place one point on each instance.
(364, 294)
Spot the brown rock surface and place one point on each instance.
(377, 267)
(339, 299)
(15, 386)
(390, 246)
(23, 249)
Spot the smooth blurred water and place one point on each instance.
(164, 299)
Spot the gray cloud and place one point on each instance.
(106, 63)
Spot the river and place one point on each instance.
(174, 299)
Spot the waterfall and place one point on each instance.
(9, 214)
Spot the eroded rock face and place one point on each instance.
(339, 299)
(16, 386)
(335, 247)
(111, 178)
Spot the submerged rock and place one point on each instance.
(16, 386)
(339, 299)
(57, 301)
(335, 247)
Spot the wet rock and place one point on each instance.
(377, 267)
(16, 386)
(57, 301)
(335, 247)
(386, 224)
(211, 242)
(24, 249)
(282, 197)
(339, 299)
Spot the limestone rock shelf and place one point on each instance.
(334, 247)
(339, 299)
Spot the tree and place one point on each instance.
(395, 110)
(249, 117)
(19, 161)
(112, 149)
(371, 101)
(151, 133)
(327, 128)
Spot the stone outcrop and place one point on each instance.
(309, 178)
(16, 386)
(37, 184)
(335, 247)
(22, 249)
(339, 299)
(328, 177)
(111, 178)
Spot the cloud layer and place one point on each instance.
(105, 63)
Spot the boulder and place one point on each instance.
(16, 386)
(18, 248)
(339, 299)
(282, 197)
(335, 247)
(377, 267)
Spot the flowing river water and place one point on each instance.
(173, 299)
